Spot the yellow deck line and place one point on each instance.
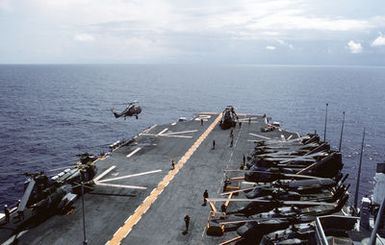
(123, 231)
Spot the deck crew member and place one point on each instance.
(172, 165)
(227, 182)
(231, 142)
(7, 213)
(213, 144)
(231, 133)
(20, 213)
(249, 120)
(205, 196)
(186, 222)
(240, 124)
(243, 164)
(223, 208)
(201, 121)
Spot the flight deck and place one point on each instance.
(138, 197)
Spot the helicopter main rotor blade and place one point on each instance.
(237, 191)
(306, 203)
(272, 173)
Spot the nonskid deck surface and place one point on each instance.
(141, 200)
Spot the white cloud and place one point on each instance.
(354, 47)
(203, 28)
(284, 43)
(5, 5)
(84, 37)
(379, 41)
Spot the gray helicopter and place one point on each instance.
(132, 109)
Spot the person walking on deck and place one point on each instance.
(205, 196)
(7, 213)
(187, 223)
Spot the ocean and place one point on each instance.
(50, 114)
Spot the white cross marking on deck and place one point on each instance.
(260, 136)
(121, 186)
(133, 152)
(131, 175)
(104, 173)
(150, 128)
(163, 131)
(182, 132)
(174, 134)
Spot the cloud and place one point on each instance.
(379, 41)
(354, 47)
(207, 28)
(84, 37)
(284, 43)
(270, 47)
(5, 5)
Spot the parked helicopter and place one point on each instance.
(132, 109)
(46, 196)
(292, 212)
(295, 234)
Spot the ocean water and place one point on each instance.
(51, 113)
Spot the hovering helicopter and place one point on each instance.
(132, 109)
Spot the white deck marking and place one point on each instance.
(288, 138)
(182, 132)
(176, 136)
(260, 136)
(202, 116)
(283, 137)
(163, 131)
(131, 175)
(265, 120)
(104, 173)
(133, 152)
(204, 119)
(150, 128)
(252, 119)
(173, 124)
(122, 186)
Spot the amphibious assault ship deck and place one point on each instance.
(140, 199)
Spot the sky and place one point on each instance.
(287, 32)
